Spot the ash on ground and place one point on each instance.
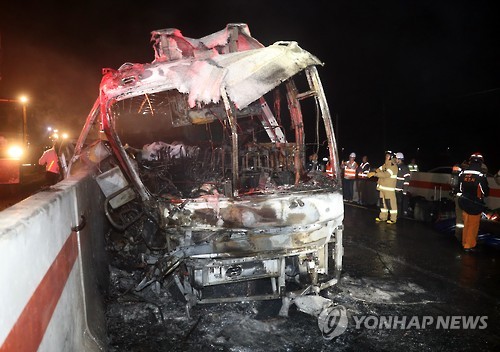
(156, 318)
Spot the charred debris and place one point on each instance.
(208, 160)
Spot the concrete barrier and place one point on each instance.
(53, 269)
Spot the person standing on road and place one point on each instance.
(455, 190)
(362, 175)
(473, 188)
(313, 163)
(51, 161)
(413, 165)
(402, 185)
(386, 185)
(350, 168)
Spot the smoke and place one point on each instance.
(61, 87)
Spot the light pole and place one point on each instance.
(24, 100)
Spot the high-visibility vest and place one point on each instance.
(50, 159)
(350, 170)
(329, 169)
(363, 173)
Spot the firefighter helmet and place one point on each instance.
(400, 155)
(391, 153)
(352, 155)
(478, 157)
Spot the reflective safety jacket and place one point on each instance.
(329, 169)
(403, 178)
(472, 189)
(387, 176)
(50, 160)
(413, 167)
(350, 168)
(363, 170)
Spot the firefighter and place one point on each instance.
(349, 168)
(362, 175)
(454, 184)
(402, 185)
(386, 185)
(473, 188)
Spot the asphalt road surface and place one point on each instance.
(404, 287)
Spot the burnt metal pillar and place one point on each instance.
(298, 125)
(317, 87)
(234, 140)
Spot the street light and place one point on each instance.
(24, 100)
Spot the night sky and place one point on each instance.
(421, 77)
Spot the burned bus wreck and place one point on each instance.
(202, 155)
